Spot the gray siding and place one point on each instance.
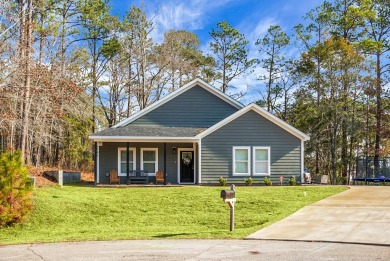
(196, 107)
(108, 159)
(251, 129)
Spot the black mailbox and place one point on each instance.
(228, 194)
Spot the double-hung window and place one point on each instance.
(261, 161)
(149, 160)
(241, 159)
(122, 167)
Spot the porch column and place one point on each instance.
(95, 162)
(165, 163)
(127, 162)
(199, 161)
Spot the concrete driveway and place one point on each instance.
(358, 215)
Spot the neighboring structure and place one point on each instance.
(198, 134)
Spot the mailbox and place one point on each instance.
(228, 194)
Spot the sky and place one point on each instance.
(250, 17)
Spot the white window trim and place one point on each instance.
(248, 148)
(155, 162)
(254, 161)
(119, 160)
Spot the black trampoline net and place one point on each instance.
(365, 168)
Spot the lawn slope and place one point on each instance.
(73, 213)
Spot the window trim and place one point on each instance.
(268, 161)
(120, 149)
(155, 162)
(248, 148)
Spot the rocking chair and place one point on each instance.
(114, 176)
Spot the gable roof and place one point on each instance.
(184, 88)
(297, 133)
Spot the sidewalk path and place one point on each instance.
(358, 215)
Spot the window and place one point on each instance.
(261, 160)
(149, 160)
(241, 160)
(122, 161)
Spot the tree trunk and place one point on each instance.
(94, 84)
(129, 87)
(270, 80)
(224, 81)
(344, 130)
(27, 84)
(334, 155)
(378, 114)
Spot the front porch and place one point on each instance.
(138, 162)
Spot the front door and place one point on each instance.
(186, 166)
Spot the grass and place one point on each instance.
(75, 213)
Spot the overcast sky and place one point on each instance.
(250, 17)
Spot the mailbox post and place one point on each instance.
(229, 196)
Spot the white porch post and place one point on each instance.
(200, 161)
(98, 144)
(302, 161)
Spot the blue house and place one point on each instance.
(196, 135)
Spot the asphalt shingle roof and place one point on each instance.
(149, 131)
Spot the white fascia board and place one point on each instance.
(176, 93)
(142, 139)
(263, 113)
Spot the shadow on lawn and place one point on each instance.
(80, 184)
(172, 235)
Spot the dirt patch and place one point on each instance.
(87, 176)
(42, 180)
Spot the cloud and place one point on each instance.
(175, 14)
(254, 30)
(250, 85)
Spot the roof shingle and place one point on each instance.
(149, 131)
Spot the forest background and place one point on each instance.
(69, 68)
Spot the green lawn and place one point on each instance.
(74, 213)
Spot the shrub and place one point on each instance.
(248, 181)
(267, 181)
(292, 181)
(15, 201)
(222, 181)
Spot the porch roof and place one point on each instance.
(145, 131)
